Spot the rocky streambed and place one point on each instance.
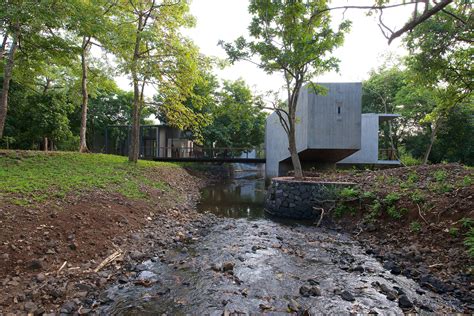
(254, 264)
(244, 267)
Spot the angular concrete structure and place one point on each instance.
(369, 153)
(328, 128)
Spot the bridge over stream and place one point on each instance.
(219, 155)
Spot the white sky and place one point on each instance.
(364, 47)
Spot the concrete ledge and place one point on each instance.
(290, 198)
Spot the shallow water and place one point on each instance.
(272, 260)
(240, 196)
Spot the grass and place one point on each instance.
(37, 176)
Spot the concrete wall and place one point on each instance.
(335, 117)
(328, 128)
(369, 150)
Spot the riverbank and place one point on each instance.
(72, 223)
(415, 221)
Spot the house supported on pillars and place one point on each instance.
(330, 129)
(156, 141)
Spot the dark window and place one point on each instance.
(338, 110)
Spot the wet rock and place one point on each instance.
(216, 267)
(40, 277)
(433, 284)
(227, 266)
(147, 277)
(404, 302)
(30, 307)
(358, 268)
(347, 296)
(313, 281)
(294, 306)
(307, 291)
(68, 307)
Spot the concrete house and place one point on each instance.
(330, 129)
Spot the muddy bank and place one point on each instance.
(52, 252)
(414, 220)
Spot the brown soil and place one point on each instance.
(82, 230)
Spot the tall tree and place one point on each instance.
(27, 25)
(294, 38)
(153, 52)
(441, 60)
(91, 22)
(238, 120)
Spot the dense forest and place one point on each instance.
(60, 60)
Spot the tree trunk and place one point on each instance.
(295, 158)
(135, 137)
(85, 96)
(4, 45)
(434, 130)
(8, 71)
(45, 144)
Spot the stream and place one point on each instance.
(249, 263)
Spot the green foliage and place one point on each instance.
(415, 226)
(396, 213)
(391, 198)
(454, 232)
(368, 195)
(33, 176)
(440, 175)
(408, 160)
(349, 193)
(467, 222)
(469, 242)
(237, 120)
(375, 210)
(343, 209)
(417, 197)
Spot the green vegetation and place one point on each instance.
(454, 231)
(415, 226)
(417, 197)
(396, 213)
(440, 175)
(467, 222)
(33, 176)
(391, 198)
(469, 242)
(349, 193)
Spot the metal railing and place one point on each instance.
(387, 154)
(217, 152)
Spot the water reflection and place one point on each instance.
(241, 196)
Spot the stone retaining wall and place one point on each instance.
(289, 198)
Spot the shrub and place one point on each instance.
(453, 231)
(348, 193)
(440, 175)
(415, 226)
(417, 197)
(469, 242)
(408, 160)
(391, 198)
(467, 222)
(396, 213)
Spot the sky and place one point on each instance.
(364, 47)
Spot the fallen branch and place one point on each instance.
(62, 267)
(421, 215)
(320, 216)
(108, 260)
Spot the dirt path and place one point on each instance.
(260, 266)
